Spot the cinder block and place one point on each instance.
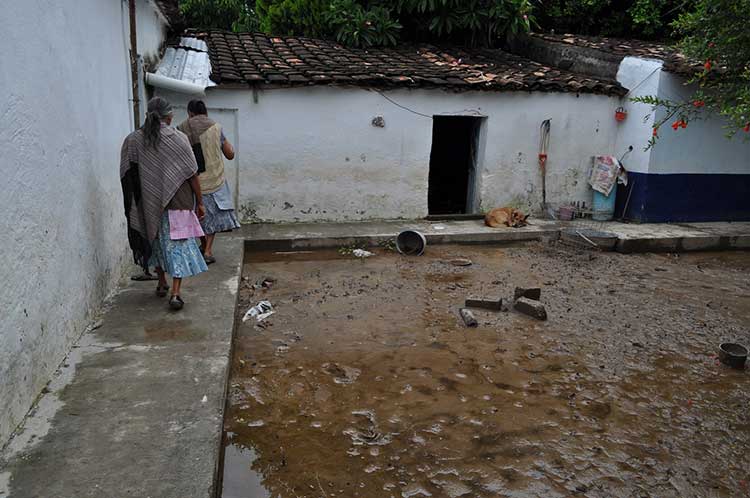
(532, 308)
(493, 303)
(534, 293)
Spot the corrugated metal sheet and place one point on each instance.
(190, 64)
(194, 43)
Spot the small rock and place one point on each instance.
(460, 262)
(494, 304)
(531, 308)
(534, 293)
(468, 317)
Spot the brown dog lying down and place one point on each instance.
(505, 216)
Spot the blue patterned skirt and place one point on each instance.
(217, 219)
(179, 258)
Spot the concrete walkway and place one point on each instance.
(136, 409)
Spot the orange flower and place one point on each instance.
(656, 132)
(675, 125)
(680, 123)
(699, 103)
(683, 124)
(707, 65)
(747, 128)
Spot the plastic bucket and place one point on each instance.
(411, 243)
(604, 206)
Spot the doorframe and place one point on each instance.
(478, 150)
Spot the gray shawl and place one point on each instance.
(150, 177)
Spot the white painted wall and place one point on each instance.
(312, 153)
(64, 110)
(702, 147)
(152, 28)
(641, 77)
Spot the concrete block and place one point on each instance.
(468, 317)
(534, 293)
(487, 303)
(532, 308)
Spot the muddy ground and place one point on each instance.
(366, 383)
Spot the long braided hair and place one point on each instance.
(158, 109)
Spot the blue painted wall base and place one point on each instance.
(684, 198)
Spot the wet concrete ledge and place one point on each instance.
(631, 238)
(137, 407)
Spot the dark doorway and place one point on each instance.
(455, 142)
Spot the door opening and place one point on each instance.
(453, 165)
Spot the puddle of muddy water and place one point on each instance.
(239, 478)
(365, 383)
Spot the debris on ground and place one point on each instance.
(505, 216)
(493, 303)
(504, 390)
(460, 262)
(388, 244)
(534, 293)
(468, 317)
(361, 253)
(260, 312)
(530, 307)
(261, 283)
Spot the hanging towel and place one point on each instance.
(183, 224)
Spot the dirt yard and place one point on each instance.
(365, 382)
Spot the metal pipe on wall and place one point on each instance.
(134, 65)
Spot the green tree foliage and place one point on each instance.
(365, 23)
(715, 32)
(236, 15)
(642, 19)
(294, 17)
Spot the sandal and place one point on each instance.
(176, 303)
(143, 277)
(209, 259)
(162, 291)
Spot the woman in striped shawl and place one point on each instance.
(162, 198)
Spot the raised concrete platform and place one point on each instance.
(631, 237)
(137, 408)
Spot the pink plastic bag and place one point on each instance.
(183, 224)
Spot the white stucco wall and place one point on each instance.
(313, 154)
(64, 110)
(641, 77)
(702, 147)
(151, 29)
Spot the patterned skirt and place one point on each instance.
(217, 219)
(179, 258)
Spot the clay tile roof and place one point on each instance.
(674, 61)
(256, 58)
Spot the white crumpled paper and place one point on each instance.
(260, 311)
